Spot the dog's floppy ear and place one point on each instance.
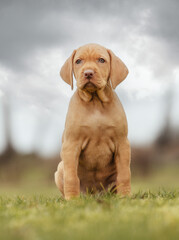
(66, 71)
(118, 71)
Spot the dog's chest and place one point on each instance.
(98, 146)
(96, 155)
(100, 123)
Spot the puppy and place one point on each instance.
(95, 150)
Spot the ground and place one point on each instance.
(147, 214)
(31, 208)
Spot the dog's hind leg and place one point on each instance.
(59, 177)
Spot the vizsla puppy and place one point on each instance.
(95, 150)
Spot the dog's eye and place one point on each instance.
(101, 60)
(78, 61)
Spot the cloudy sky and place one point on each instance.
(36, 37)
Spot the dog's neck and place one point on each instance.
(104, 95)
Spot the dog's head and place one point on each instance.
(93, 66)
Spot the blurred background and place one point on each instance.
(36, 37)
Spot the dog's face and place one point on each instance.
(93, 66)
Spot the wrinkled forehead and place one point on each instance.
(92, 51)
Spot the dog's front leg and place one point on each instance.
(70, 157)
(122, 160)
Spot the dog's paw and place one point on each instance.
(124, 191)
(71, 196)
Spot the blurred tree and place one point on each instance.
(165, 136)
(167, 143)
(9, 151)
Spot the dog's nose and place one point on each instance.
(88, 73)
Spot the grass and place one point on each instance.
(32, 209)
(151, 214)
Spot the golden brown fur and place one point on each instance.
(95, 150)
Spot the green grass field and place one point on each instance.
(147, 214)
(32, 209)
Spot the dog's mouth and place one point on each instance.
(90, 87)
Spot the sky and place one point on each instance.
(36, 37)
